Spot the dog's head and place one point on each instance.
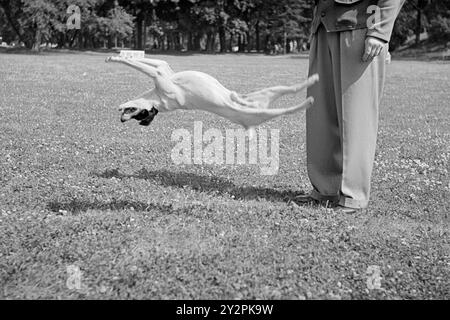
(144, 116)
(143, 109)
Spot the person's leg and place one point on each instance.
(361, 85)
(323, 134)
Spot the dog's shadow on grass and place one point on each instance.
(196, 182)
(79, 206)
(208, 184)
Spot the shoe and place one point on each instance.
(303, 199)
(308, 199)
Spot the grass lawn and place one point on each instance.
(80, 189)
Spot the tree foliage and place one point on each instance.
(212, 25)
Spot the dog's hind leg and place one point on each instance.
(250, 117)
(266, 97)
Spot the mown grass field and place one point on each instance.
(78, 188)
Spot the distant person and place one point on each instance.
(304, 46)
(348, 50)
(277, 48)
(295, 46)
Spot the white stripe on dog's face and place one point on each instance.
(129, 113)
(143, 109)
(133, 108)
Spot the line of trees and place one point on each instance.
(418, 16)
(194, 25)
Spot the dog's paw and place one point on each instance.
(310, 101)
(112, 59)
(313, 79)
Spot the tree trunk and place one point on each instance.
(258, 37)
(242, 42)
(267, 48)
(418, 25)
(90, 43)
(62, 40)
(248, 42)
(231, 42)
(210, 41)
(37, 40)
(190, 41)
(139, 21)
(144, 31)
(181, 41)
(72, 40)
(80, 41)
(12, 22)
(197, 40)
(177, 41)
(223, 39)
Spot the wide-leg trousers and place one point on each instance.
(342, 126)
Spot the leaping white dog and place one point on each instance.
(192, 90)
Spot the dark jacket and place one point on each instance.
(378, 16)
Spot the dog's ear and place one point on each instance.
(144, 114)
(150, 116)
